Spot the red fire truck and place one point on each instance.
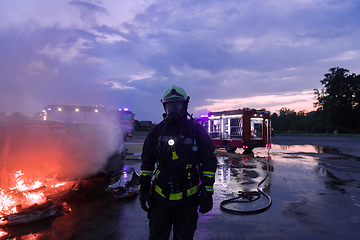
(242, 128)
(122, 118)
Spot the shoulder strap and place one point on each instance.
(159, 133)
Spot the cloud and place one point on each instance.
(186, 71)
(348, 55)
(35, 68)
(117, 85)
(88, 6)
(88, 11)
(65, 53)
(298, 100)
(126, 53)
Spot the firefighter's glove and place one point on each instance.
(145, 199)
(206, 203)
(145, 192)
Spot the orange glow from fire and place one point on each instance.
(33, 198)
(20, 183)
(6, 203)
(25, 193)
(59, 184)
(65, 206)
(2, 233)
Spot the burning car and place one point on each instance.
(43, 160)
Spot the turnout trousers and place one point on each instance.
(183, 218)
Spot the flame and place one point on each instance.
(21, 185)
(25, 193)
(66, 207)
(2, 233)
(6, 203)
(59, 184)
(33, 198)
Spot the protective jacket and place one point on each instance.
(185, 160)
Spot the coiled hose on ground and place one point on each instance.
(247, 197)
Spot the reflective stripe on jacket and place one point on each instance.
(178, 196)
(178, 153)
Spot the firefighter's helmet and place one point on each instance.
(174, 94)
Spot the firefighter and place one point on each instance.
(183, 180)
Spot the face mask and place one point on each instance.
(173, 111)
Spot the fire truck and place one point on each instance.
(242, 128)
(122, 118)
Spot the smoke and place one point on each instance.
(64, 150)
(89, 149)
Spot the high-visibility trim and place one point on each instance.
(157, 172)
(209, 174)
(145, 173)
(209, 188)
(174, 155)
(177, 196)
(188, 166)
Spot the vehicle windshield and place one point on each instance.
(127, 116)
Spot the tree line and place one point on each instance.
(337, 103)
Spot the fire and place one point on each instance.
(21, 185)
(33, 198)
(25, 193)
(2, 233)
(66, 207)
(6, 203)
(59, 184)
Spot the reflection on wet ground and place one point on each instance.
(241, 173)
(312, 188)
(239, 177)
(338, 171)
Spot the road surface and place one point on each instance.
(314, 184)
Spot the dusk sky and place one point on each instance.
(226, 54)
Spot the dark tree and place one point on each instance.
(285, 119)
(338, 101)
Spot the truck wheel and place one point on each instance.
(229, 148)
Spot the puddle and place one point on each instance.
(299, 148)
(241, 173)
(309, 149)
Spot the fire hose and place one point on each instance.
(248, 197)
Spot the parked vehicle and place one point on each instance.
(122, 118)
(242, 128)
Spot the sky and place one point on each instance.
(226, 54)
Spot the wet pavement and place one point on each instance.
(315, 192)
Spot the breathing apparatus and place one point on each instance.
(175, 102)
